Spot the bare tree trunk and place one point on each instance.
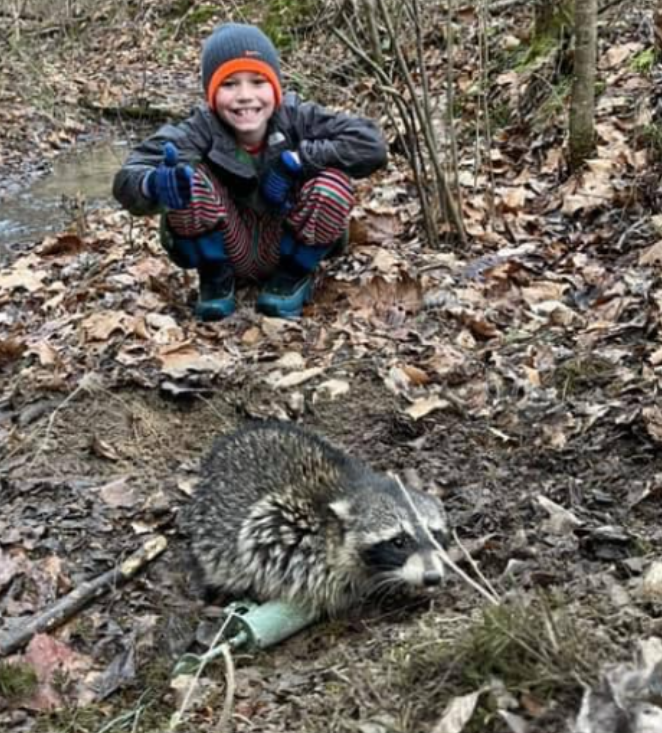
(582, 103)
(551, 17)
(657, 26)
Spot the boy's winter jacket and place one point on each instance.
(323, 139)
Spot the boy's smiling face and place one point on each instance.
(245, 101)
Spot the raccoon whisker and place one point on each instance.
(385, 587)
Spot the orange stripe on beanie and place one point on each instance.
(245, 64)
(236, 47)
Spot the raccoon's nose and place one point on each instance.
(431, 577)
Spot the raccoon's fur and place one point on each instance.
(281, 514)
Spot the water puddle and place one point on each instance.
(40, 209)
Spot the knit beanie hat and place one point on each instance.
(235, 47)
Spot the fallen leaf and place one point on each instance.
(11, 350)
(415, 375)
(331, 389)
(180, 360)
(291, 360)
(26, 274)
(9, 569)
(118, 493)
(653, 420)
(424, 406)
(102, 449)
(294, 379)
(615, 55)
(457, 714)
(100, 326)
(251, 336)
(48, 658)
(651, 587)
(651, 255)
(561, 521)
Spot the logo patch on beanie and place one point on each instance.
(252, 54)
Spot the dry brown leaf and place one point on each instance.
(512, 199)
(251, 336)
(183, 359)
(64, 244)
(385, 262)
(651, 255)
(331, 390)
(24, 274)
(653, 420)
(294, 379)
(119, 493)
(50, 658)
(47, 355)
(480, 326)
(590, 190)
(11, 350)
(447, 360)
(457, 713)
(381, 295)
(100, 326)
(290, 360)
(615, 55)
(415, 375)
(426, 405)
(376, 228)
(544, 290)
(103, 449)
(147, 268)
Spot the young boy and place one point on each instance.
(254, 184)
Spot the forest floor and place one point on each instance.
(515, 376)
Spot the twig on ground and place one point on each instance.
(89, 383)
(226, 713)
(487, 593)
(70, 604)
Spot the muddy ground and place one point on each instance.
(389, 669)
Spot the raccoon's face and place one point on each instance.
(393, 540)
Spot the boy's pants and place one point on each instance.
(319, 217)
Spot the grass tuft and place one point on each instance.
(17, 680)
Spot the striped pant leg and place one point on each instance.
(251, 241)
(322, 209)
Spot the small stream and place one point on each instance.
(38, 210)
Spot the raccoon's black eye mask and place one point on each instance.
(391, 553)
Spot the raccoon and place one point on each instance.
(281, 514)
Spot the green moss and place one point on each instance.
(200, 16)
(581, 373)
(644, 61)
(539, 49)
(284, 15)
(17, 680)
(651, 137)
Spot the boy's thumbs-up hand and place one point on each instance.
(169, 184)
(279, 179)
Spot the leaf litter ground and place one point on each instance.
(515, 378)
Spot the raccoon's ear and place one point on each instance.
(342, 509)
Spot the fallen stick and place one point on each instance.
(70, 604)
